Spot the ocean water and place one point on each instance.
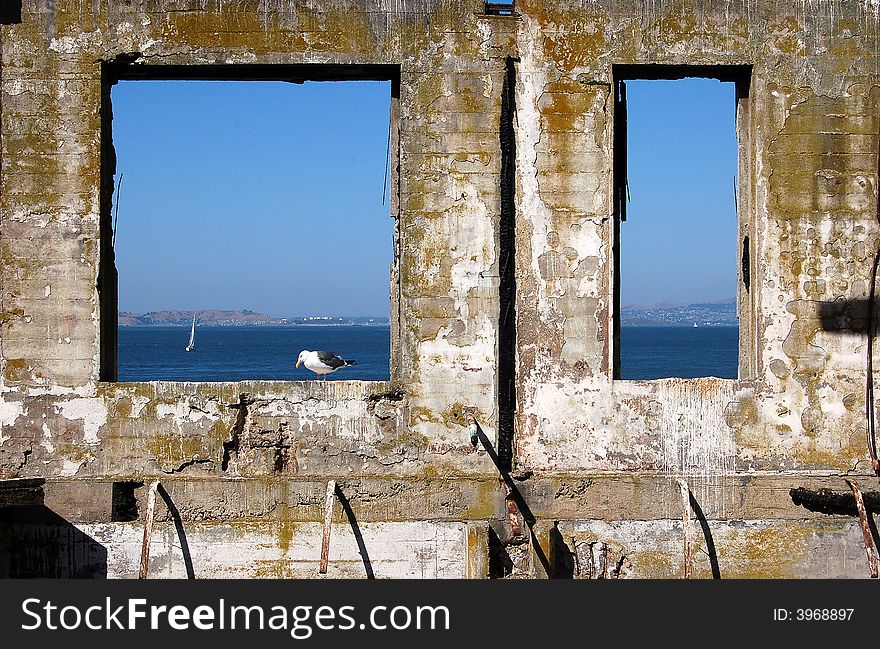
(686, 352)
(249, 353)
(270, 353)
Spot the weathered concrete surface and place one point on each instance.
(438, 528)
(240, 459)
(752, 549)
(808, 196)
(608, 497)
(417, 550)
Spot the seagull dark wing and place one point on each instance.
(331, 360)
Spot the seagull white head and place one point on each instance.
(302, 357)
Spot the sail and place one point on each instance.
(192, 336)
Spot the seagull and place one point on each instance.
(322, 363)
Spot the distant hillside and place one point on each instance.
(209, 317)
(244, 317)
(706, 314)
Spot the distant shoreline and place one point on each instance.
(241, 318)
(685, 325)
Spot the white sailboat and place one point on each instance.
(192, 336)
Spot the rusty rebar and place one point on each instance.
(148, 530)
(866, 530)
(328, 519)
(517, 534)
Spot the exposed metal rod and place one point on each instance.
(328, 519)
(516, 505)
(866, 530)
(116, 215)
(387, 159)
(516, 531)
(686, 526)
(148, 530)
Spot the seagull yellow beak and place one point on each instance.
(298, 362)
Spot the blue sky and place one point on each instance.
(259, 195)
(679, 242)
(268, 196)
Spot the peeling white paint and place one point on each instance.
(473, 240)
(459, 374)
(10, 411)
(70, 468)
(64, 45)
(184, 412)
(137, 406)
(47, 439)
(696, 441)
(531, 79)
(92, 412)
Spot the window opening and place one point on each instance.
(496, 8)
(682, 262)
(257, 210)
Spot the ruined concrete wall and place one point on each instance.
(58, 416)
(807, 188)
(594, 457)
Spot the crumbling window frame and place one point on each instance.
(499, 8)
(741, 77)
(127, 68)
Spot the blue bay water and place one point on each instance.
(269, 353)
(685, 352)
(249, 353)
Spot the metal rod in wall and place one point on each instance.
(866, 530)
(148, 530)
(328, 518)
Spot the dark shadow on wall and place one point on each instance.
(516, 497)
(35, 542)
(845, 316)
(826, 501)
(10, 12)
(561, 559)
(500, 563)
(872, 526)
(124, 504)
(507, 270)
(355, 528)
(707, 534)
(181, 533)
